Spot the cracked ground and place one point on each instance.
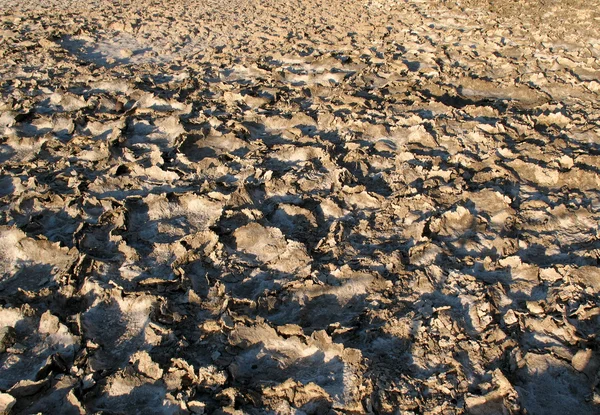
(299, 207)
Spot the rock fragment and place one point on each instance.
(8, 336)
(6, 403)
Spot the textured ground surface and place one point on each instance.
(299, 207)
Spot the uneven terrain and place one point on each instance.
(299, 207)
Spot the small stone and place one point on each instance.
(510, 318)
(550, 275)
(566, 162)
(144, 364)
(196, 407)
(594, 86)
(49, 324)
(582, 359)
(6, 403)
(534, 307)
(211, 326)
(290, 330)
(8, 336)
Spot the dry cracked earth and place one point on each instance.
(299, 207)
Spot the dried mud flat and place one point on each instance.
(301, 207)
